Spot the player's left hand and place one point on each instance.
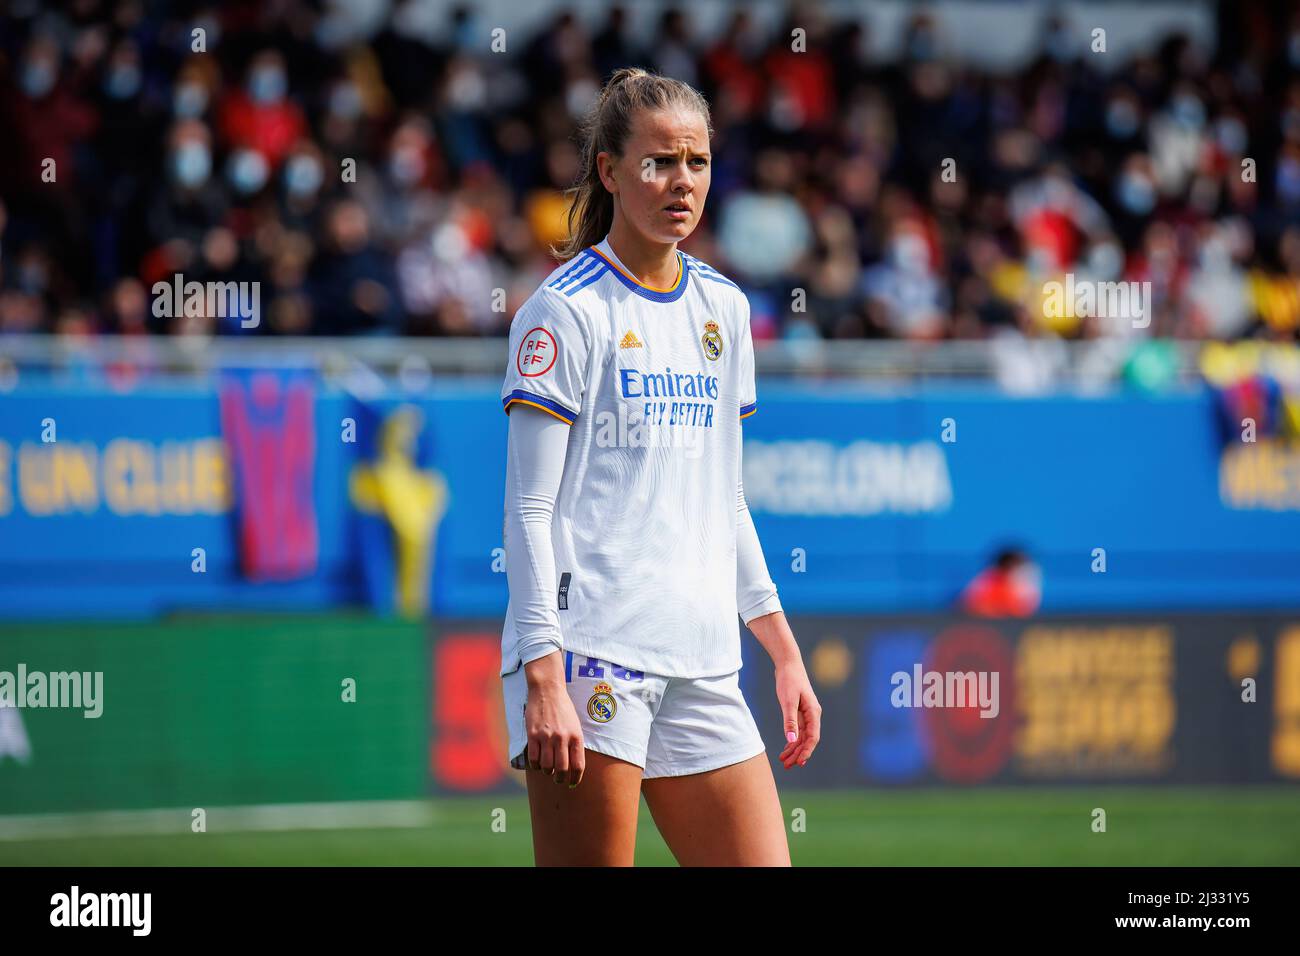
(801, 712)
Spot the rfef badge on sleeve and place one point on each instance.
(537, 353)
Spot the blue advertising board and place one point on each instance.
(133, 502)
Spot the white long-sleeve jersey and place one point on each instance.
(651, 552)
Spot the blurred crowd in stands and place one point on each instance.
(916, 198)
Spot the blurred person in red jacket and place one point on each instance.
(260, 116)
(1010, 587)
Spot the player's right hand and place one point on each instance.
(554, 733)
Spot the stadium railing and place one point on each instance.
(1082, 363)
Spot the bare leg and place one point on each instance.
(726, 817)
(593, 824)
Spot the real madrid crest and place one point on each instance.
(602, 707)
(712, 341)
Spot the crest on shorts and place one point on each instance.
(602, 707)
(711, 341)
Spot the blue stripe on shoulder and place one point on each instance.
(585, 265)
(568, 271)
(702, 264)
(704, 269)
(713, 276)
(587, 281)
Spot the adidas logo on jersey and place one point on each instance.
(630, 341)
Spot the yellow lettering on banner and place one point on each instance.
(35, 485)
(133, 477)
(117, 464)
(1040, 720)
(6, 479)
(1112, 722)
(1095, 699)
(130, 482)
(212, 492)
(1263, 474)
(1285, 746)
(177, 487)
(144, 479)
(1027, 649)
(1155, 724)
(1243, 658)
(1161, 655)
(1270, 464)
(1081, 718)
(57, 479)
(1236, 479)
(74, 472)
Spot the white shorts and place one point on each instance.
(668, 726)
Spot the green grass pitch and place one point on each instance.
(993, 827)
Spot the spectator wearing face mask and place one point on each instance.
(188, 201)
(401, 194)
(191, 94)
(905, 290)
(49, 118)
(126, 149)
(260, 116)
(186, 204)
(123, 160)
(302, 183)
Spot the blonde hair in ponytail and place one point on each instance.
(606, 129)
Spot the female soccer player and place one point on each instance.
(629, 546)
